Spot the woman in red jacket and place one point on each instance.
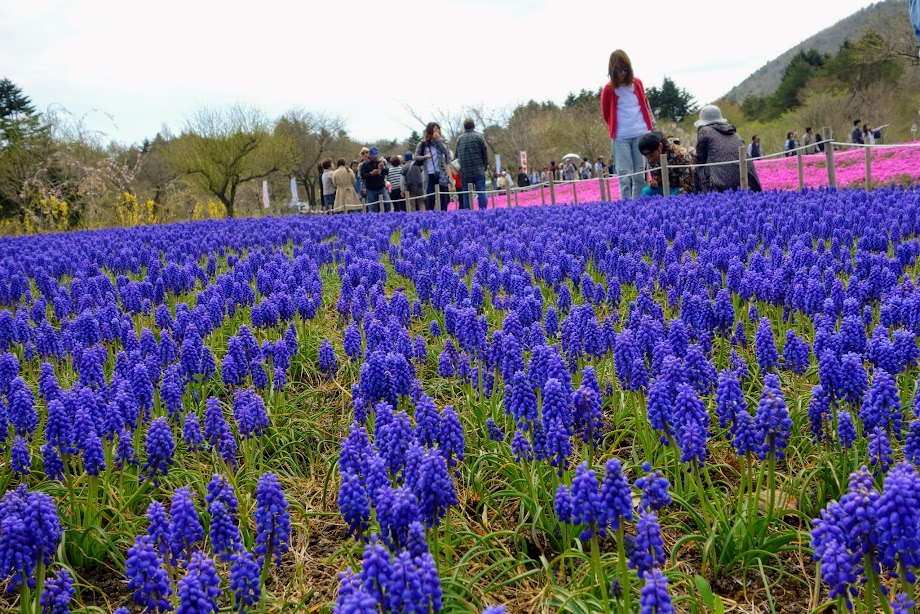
(628, 116)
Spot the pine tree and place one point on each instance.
(670, 102)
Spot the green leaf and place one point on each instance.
(712, 602)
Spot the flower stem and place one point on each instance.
(624, 573)
(598, 570)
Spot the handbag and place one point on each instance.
(444, 178)
(443, 174)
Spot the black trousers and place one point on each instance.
(433, 181)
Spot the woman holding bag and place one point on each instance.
(433, 153)
(628, 115)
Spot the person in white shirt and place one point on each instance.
(599, 167)
(628, 115)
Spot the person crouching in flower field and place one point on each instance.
(717, 142)
(653, 145)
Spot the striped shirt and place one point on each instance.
(394, 176)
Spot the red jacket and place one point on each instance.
(609, 100)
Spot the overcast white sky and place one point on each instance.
(153, 63)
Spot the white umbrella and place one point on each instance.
(572, 155)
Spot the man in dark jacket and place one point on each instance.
(856, 135)
(373, 171)
(522, 179)
(473, 156)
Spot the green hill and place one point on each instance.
(766, 79)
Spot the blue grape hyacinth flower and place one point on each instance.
(273, 521)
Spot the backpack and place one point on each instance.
(413, 181)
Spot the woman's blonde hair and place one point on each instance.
(619, 64)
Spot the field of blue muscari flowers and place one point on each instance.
(696, 404)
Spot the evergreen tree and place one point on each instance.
(669, 101)
(803, 67)
(581, 98)
(23, 146)
(18, 118)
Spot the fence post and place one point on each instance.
(868, 168)
(542, 194)
(743, 166)
(607, 184)
(800, 164)
(437, 196)
(552, 190)
(665, 176)
(575, 191)
(517, 203)
(508, 194)
(600, 181)
(829, 152)
(471, 192)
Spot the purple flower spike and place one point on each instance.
(160, 448)
(245, 581)
(654, 598)
(199, 590)
(58, 593)
(773, 421)
(273, 522)
(185, 530)
(327, 360)
(147, 577)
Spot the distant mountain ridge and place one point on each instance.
(766, 79)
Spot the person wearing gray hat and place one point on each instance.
(718, 141)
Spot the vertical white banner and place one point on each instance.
(524, 161)
(265, 202)
(295, 200)
(498, 165)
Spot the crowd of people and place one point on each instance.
(813, 142)
(416, 180)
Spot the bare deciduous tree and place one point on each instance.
(315, 136)
(221, 150)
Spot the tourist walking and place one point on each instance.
(523, 179)
(599, 167)
(809, 141)
(413, 183)
(856, 136)
(791, 144)
(358, 183)
(435, 155)
(394, 176)
(343, 179)
(754, 149)
(373, 173)
(328, 186)
(474, 160)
